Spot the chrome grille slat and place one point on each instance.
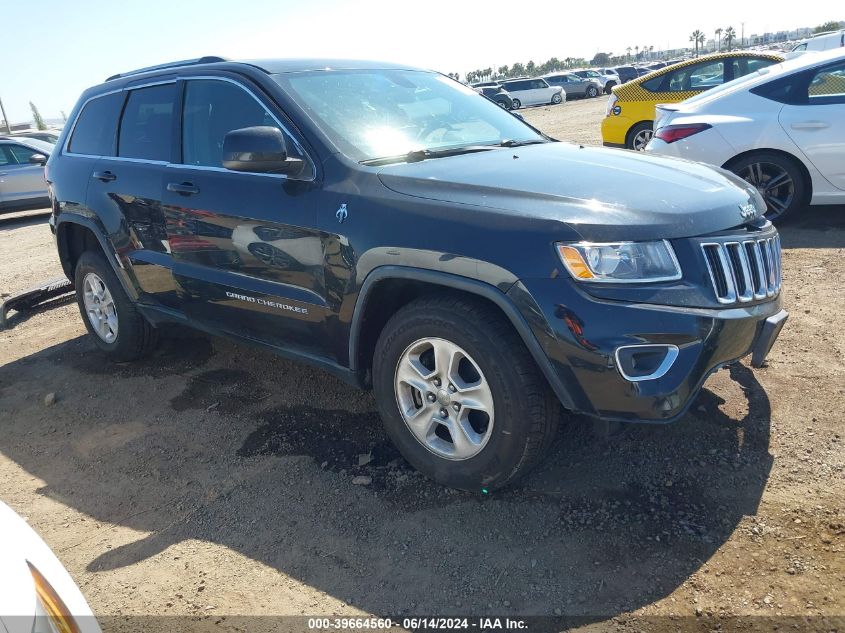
(743, 270)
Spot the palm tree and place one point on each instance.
(730, 36)
(650, 52)
(637, 51)
(719, 38)
(629, 53)
(697, 37)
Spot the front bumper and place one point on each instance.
(580, 335)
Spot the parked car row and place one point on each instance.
(629, 118)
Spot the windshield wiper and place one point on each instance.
(416, 155)
(511, 143)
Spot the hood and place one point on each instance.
(602, 194)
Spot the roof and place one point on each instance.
(273, 66)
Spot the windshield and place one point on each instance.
(371, 114)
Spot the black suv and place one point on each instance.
(402, 232)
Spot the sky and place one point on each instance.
(64, 47)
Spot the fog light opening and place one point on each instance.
(645, 362)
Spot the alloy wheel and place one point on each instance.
(100, 307)
(775, 185)
(641, 139)
(444, 398)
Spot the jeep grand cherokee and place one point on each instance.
(402, 232)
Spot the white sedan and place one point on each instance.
(781, 128)
(37, 595)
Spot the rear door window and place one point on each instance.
(827, 85)
(147, 123)
(95, 130)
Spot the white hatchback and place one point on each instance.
(781, 128)
(536, 91)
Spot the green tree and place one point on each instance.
(530, 67)
(832, 25)
(697, 37)
(601, 59)
(36, 117)
(503, 71)
(730, 36)
(628, 58)
(517, 70)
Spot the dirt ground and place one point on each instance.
(214, 480)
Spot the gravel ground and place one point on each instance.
(214, 480)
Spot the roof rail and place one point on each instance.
(208, 59)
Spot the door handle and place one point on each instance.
(184, 188)
(809, 125)
(105, 176)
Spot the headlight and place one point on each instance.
(620, 262)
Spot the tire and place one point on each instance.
(507, 439)
(592, 92)
(639, 136)
(761, 168)
(503, 104)
(556, 98)
(517, 104)
(126, 335)
(608, 87)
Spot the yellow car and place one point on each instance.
(630, 109)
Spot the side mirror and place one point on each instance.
(259, 149)
(38, 159)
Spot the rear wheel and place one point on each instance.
(556, 98)
(608, 87)
(592, 91)
(639, 136)
(460, 395)
(502, 104)
(778, 179)
(109, 314)
(517, 104)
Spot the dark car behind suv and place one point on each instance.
(626, 73)
(497, 95)
(405, 234)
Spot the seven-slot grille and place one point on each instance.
(744, 270)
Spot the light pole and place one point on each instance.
(5, 119)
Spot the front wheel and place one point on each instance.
(608, 87)
(460, 395)
(777, 178)
(640, 135)
(110, 316)
(556, 98)
(592, 91)
(517, 104)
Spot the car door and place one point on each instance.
(817, 125)
(249, 261)
(21, 180)
(125, 190)
(541, 92)
(579, 85)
